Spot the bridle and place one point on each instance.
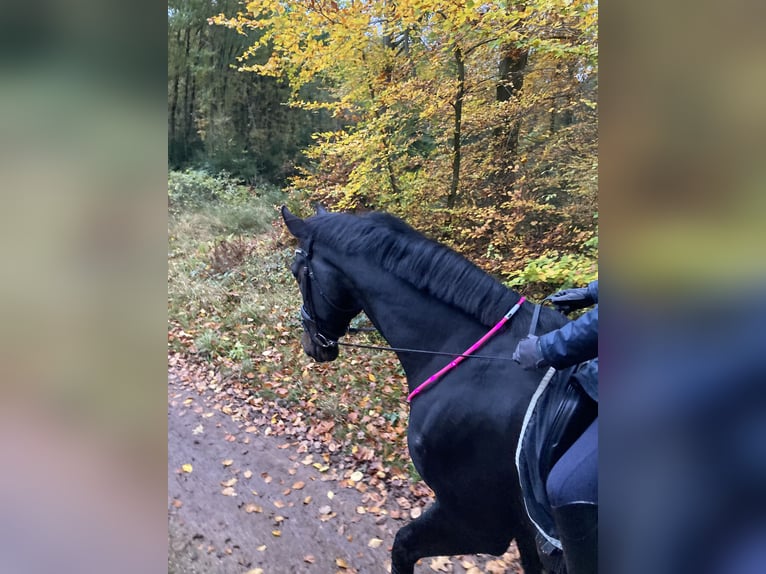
(320, 337)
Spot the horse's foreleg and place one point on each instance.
(436, 533)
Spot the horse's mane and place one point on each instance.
(421, 262)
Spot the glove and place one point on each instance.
(529, 355)
(569, 300)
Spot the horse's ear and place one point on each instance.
(320, 210)
(294, 223)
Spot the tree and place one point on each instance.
(474, 121)
(219, 118)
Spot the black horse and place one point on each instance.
(463, 430)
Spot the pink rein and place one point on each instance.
(454, 363)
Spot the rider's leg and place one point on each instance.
(572, 488)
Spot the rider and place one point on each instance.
(572, 484)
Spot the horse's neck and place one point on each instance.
(408, 318)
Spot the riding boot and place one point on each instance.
(577, 526)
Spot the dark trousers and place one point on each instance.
(574, 478)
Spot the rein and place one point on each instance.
(420, 351)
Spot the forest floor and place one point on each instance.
(241, 500)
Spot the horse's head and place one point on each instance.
(328, 300)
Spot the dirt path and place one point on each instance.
(281, 518)
(240, 502)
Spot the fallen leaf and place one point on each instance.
(374, 543)
(330, 494)
(276, 533)
(229, 491)
(299, 485)
(250, 508)
(416, 512)
(248, 473)
(255, 571)
(356, 476)
(441, 564)
(199, 429)
(186, 467)
(279, 504)
(177, 503)
(307, 500)
(227, 462)
(230, 482)
(309, 558)
(325, 510)
(261, 548)
(341, 563)
(496, 566)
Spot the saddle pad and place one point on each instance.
(558, 413)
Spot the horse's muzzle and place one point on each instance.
(319, 353)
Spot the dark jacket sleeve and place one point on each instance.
(587, 376)
(573, 343)
(593, 290)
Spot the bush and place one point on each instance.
(220, 203)
(240, 219)
(553, 271)
(228, 254)
(195, 189)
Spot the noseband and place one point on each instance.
(308, 310)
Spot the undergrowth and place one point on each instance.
(233, 304)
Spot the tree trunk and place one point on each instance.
(174, 110)
(187, 84)
(456, 133)
(511, 71)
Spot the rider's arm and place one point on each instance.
(573, 343)
(593, 290)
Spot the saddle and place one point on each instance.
(558, 414)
